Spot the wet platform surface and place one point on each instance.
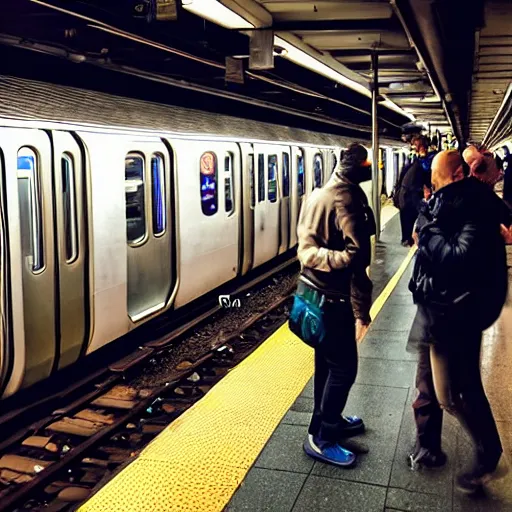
(284, 479)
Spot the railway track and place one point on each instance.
(55, 463)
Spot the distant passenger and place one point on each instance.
(459, 284)
(334, 250)
(507, 177)
(483, 167)
(413, 186)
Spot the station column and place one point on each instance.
(375, 143)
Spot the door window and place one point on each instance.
(29, 197)
(209, 193)
(134, 197)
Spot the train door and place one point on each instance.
(209, 215)
(72, 247)
(33, 274)
(149, 228)
(249, 202)
(266, 210)
(284, 197)
(298, 190)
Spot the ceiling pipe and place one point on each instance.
(418, 24)
(104, 63)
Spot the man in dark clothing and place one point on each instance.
(507, 176)
(459, 284)
(334, 250)
(410, 189)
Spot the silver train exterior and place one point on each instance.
(115, 210)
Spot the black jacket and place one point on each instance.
(409, 189)
(460, 273)
(334, 231)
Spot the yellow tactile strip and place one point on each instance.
(198, 462)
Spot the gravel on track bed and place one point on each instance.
(227, 321)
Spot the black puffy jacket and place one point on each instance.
(460, 272)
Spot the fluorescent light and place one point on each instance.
(217, 13)
(307, 61)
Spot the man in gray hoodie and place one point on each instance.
(334, 231)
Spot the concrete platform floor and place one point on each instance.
(284, 479)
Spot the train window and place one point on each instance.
(286, 174)
(261, 178)
(300, 173)
(134, 197)
(272, 178)
(318, 167)
(228, 183)
(251, 180)
(209, 193)
(30, 208)
(158, 193)
(67, 166)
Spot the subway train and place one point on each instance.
(115, 210)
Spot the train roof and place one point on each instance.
(33, 100)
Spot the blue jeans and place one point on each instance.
(335, 370)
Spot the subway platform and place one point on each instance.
(240, 447)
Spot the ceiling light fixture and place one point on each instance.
(216, 13)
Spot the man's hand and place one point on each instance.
(415, 237)
(506, 233)
(361, 329)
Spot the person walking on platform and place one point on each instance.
(334, 251)
(459, 285)
(412, 187)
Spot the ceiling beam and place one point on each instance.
(355, 25)
(327, 10)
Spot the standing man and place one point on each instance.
(459, 284)
(413, 187)
(334, 250)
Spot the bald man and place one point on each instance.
(459, 285)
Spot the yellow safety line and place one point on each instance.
(198, 462)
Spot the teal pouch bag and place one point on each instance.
(307, 318)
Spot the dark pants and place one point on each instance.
(427, 412)
(453, 376)
(408, 216)
(335, 370)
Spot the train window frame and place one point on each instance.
(286, 174)
(252, 184)
(272, 192)
(141, 240)
(203, 176)
(318, 158)
(69, 205)
(229, 175)
(158, 195)
(301, 183)
(261, 177)
(36, 236)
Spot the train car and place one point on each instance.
(113, 211)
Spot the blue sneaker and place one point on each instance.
(351, 426)
(330, 453)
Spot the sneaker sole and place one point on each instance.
(314, 455)
(469, 492)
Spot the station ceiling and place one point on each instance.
(192, 53)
